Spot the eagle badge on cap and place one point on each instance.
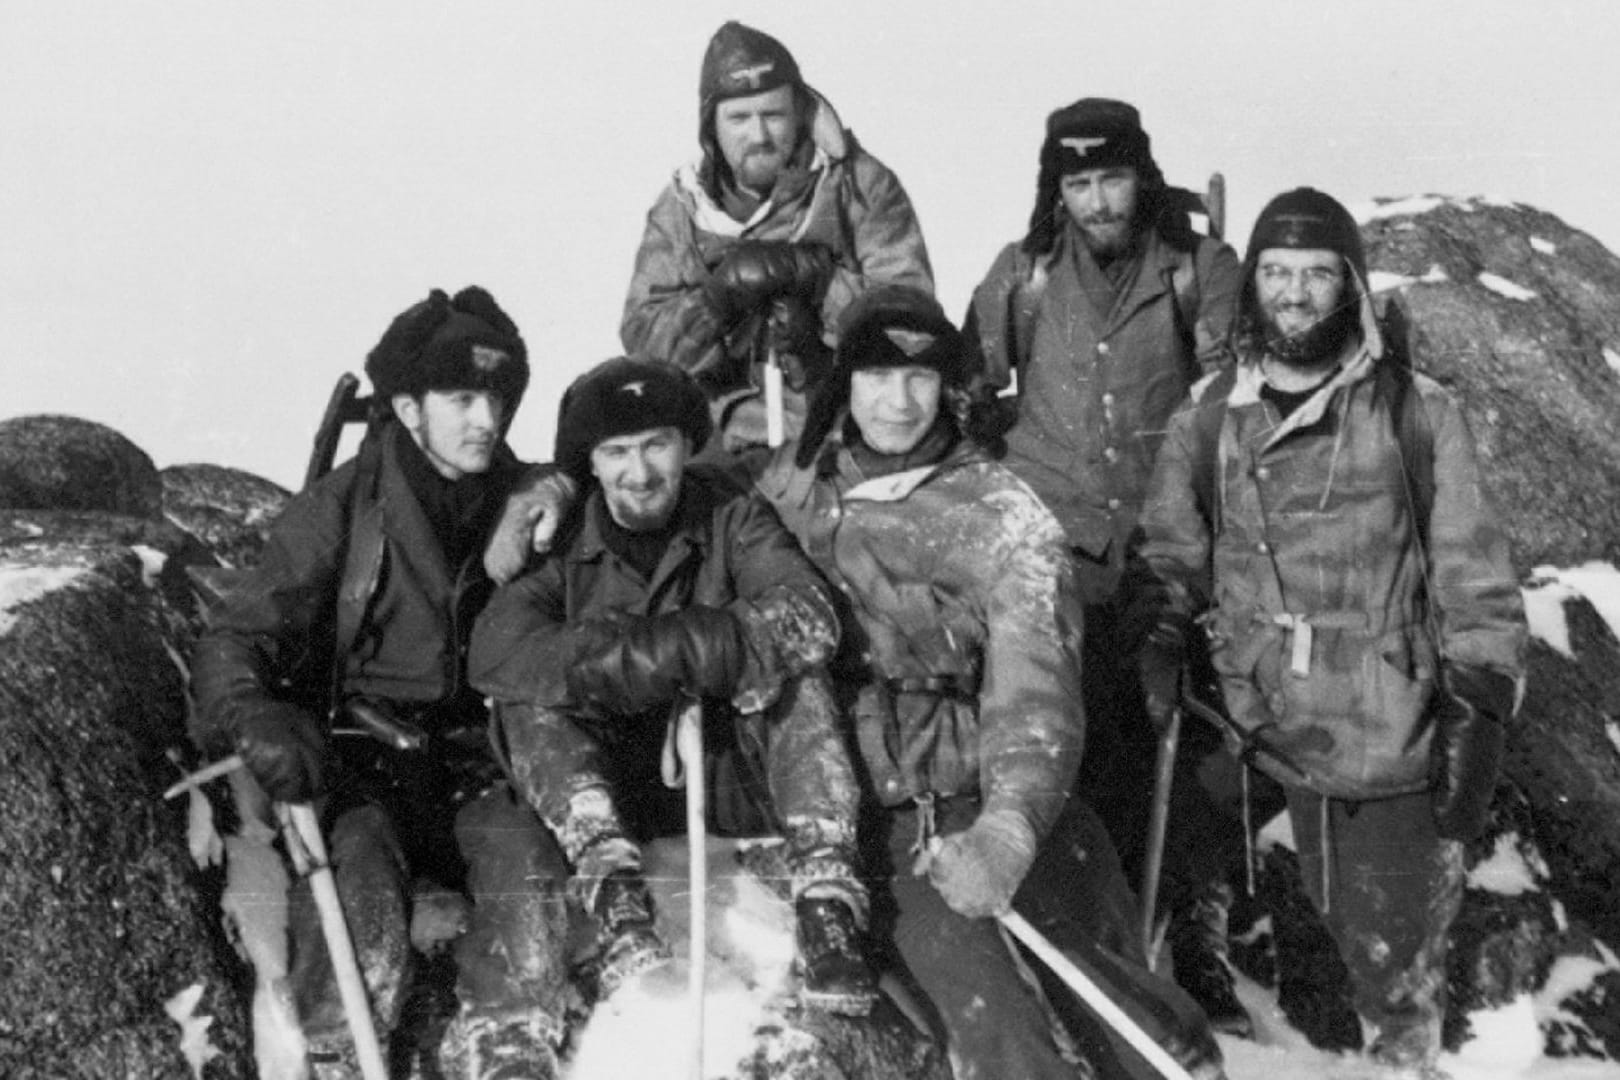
(487, 359)
(638, 388)
(1082, 145)
(753, 73)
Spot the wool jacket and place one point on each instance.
(1095, 391)
(962, 627)
(844, 199)
(1329, 621)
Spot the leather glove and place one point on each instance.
(755, 272)
(284, 748)
(977, 871)
(1465, 756)
(793, 332)
(528, 523)
(1159, 663)
(638, 662)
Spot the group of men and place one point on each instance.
(931, 632)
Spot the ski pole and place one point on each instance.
(775, 426)
(1094, 996)
(1157, 823)
(308, 853)
(689, 745)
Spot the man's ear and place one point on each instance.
(409, 411)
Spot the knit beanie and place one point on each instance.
(623, 396)
(888, 326)
(465, 342)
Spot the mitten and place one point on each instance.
(284, 748)
(1465, 756)
(1159, 664)
(639, 662)
(755, 272)
(793, 333)
(977, 871)
(528, 523)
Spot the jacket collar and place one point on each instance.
(691, 531)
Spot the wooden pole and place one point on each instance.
(689, 744)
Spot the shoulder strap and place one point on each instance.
(1207, 420)
(1026, 302)
(362, 561)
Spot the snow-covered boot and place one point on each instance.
(1199, 953)
(832, 964)
(508, 1047)
(628, 942)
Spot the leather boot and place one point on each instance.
(628, 942)
(832, 964)
(1199, 953)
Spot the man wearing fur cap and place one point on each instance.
(1106, 312)
(1321, 506)
(670, 584)
(758, 245)
(358, 614)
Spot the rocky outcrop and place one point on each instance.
(64, 463)
(227, 509)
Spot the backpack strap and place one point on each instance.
(362, 559)
(1208, 418)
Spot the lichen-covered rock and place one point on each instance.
(64, 463)
(105, 923)
(228, 509)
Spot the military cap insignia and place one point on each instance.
(753, 74)
(487, 359)
(1081, 144)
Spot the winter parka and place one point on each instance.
(728, 550)
(1095, 391)
(964, 640)
(1328, 621)
(352, 558)
(845, 199)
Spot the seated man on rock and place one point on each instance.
(360, 608)
(670, 585)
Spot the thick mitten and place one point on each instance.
(640, 662)
(284, 747)
(1465, 757)
(527, 524)
(793, 333)
(755, 272)
(1159, 664)
(978, 870)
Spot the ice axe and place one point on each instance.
(1094, 996)
(1158, 822)
(687, 770)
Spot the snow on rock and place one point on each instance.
(1383, 208)
(1502, 285)
(1549, 587)
(20, 584)
(1508, 871)
(1612, 358)
(1546, 247)
(1383, 281)
(194, 1041)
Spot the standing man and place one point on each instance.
(756, 247)
(672, 584)
(1106, 312)
(359, 612)
(1322, 507)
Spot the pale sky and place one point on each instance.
(210, 210)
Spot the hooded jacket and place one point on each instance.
(963, 628)
(1329, 622)
(1095, 391)
(843, 199)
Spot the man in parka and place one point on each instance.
(1323, 507)
(360, 610)
(758, 245)
(672, 584)
(1106, 312)
(962, 671)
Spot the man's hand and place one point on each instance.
(793, 333)
(284, 748)
(528, 523)
(755, 272)
(978, 871)
(1465, 757)
(637, 662)
(1159, 664)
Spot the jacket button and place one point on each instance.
(1262, 547)
(1108, 399)
(1262, 473)
(1110, 454)
(1102, 348)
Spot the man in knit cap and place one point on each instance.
(670, 584)
(1321, 507)
(754, 249)
(1106, 311)
(357, 616)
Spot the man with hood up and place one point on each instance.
(361, 607)
(757, 246)
(1106, 312)
(1320, 508)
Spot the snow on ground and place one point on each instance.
(20, 584)
(1507, 872)
(1511, 290)
(1549, 587)
(1546, 247)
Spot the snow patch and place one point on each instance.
(1549, 587)
(1502, 285)
(1506, 872)
(1612, 730)
(19, 584)
(152, 561)
(1383, 281)
(1546, 247)
(1387, 208)
(1612, 358)
(1506, 1042)
(1279, 830)
(194, 1041)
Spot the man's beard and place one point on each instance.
(760, 167)
(1317, 346)
(1107, 238)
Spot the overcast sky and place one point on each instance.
(208, 211)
